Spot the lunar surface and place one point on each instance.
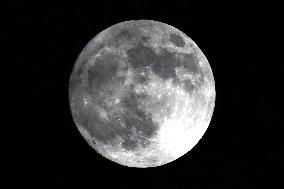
(142, 93)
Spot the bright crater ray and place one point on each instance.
(142, 93)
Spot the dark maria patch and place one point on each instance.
(177, 40)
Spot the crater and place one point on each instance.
(177, 40)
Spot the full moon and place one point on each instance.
(142, 93)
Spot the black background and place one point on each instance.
(239, 149)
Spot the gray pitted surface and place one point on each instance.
(133, 80)
(104, 72)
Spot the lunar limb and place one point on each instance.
(142, 93)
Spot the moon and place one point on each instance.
(142, 93)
